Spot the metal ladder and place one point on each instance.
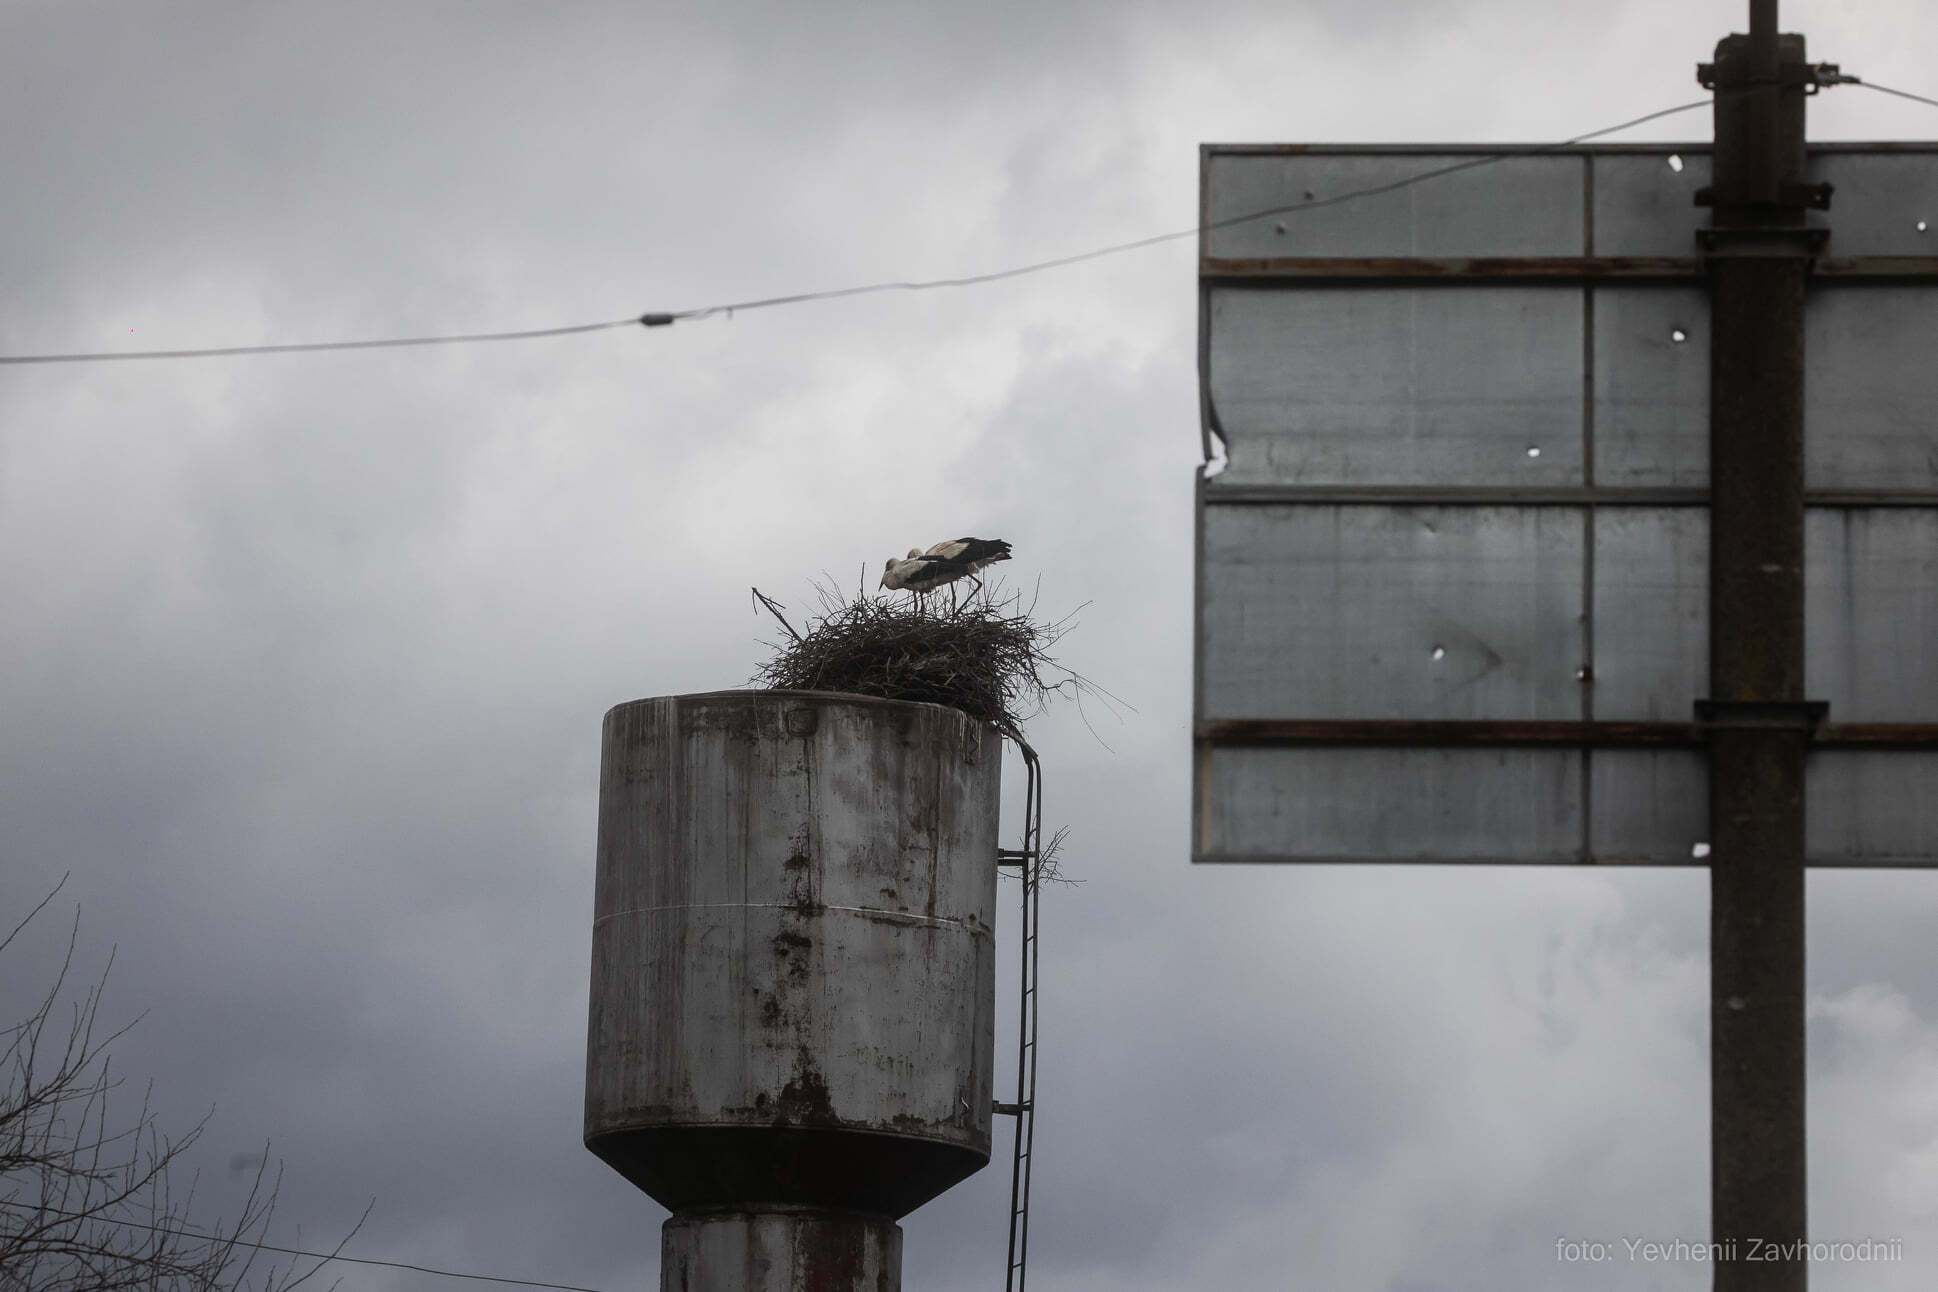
(1026, 860)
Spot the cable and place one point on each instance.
(1885, 89)
(333, 345)
(326, 1257)
(915, 285)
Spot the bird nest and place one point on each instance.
(987, 655)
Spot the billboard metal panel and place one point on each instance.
(1651, 612)
(1651, 384)
(1871, 613)
(1389, 612)
(1419, 641)
(1391, 385)
(1516, 805)
(1882, 194)
(1523, 206)
(1643, 203)
(1651, 807)
(1454, 385)
(1871, 388)
(1872, 809)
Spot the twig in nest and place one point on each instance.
(775, 610)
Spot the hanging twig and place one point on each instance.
(775, 610)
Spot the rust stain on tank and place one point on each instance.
(805, 1099)
(800, 873)
(935, 843)
(832, 1257)
(740, 722)
(792, 948)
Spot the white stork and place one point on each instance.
(947, 561)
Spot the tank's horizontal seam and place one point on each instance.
(901, 917)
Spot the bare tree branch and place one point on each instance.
(86, 1203)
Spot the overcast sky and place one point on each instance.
(304, 657)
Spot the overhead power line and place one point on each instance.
(1885, 89)
(325, 1257)
(323, 345)
(661, 319)
(1482, 158)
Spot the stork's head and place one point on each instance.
(895, 570)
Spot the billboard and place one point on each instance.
(1452, 540)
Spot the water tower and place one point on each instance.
(793, 976)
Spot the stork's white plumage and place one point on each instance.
(920, 573)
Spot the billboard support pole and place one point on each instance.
(1757, 721)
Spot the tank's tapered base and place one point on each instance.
(792, 1249)
(709, 1168)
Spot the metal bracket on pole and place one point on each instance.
(1784, 715)
(1763, 244)
(1812, 76)
(1815, 197)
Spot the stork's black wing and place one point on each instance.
(980, 551)
(936, 571)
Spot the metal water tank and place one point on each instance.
(793, 976)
